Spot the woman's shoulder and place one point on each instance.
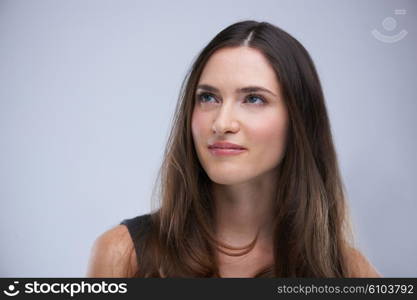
(113, 252)
(359, 265)
(137, 224)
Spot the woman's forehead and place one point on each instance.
(237, 67)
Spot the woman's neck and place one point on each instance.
(245, 209)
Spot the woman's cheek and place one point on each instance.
(265, 128)
(269, 135)
(198, 126)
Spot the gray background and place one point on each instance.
(88, 90)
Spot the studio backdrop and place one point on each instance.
(88, 91)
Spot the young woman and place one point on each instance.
(250, 183)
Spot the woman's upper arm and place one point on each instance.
(112, 254)
(360, 266)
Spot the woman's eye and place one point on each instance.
(261, 99)
(252, 99)
(205, 97)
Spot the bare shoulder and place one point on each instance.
(359, 265)
(112, 254)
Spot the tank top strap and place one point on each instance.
(138, 228)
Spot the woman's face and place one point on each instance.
(256, 120)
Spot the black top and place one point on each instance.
(138, 227)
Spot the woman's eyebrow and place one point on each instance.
(247, 89)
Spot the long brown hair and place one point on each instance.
(311, 224)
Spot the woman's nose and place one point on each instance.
(225, 120)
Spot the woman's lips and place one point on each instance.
(226, 151)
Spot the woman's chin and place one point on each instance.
(227, 179)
